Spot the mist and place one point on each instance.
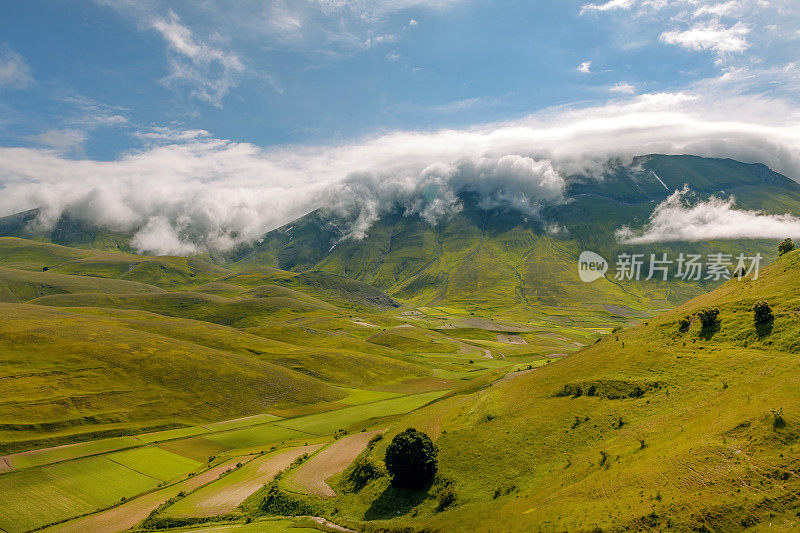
(187, 194)
(678, 218)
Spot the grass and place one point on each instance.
(61, 491)
(325, 423)
(256, 436)
(698, 447)
(155, 462)
(270, 525)
(70, 451)
(119, 378)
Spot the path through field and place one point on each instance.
(310, 477)
(229, 492)
(129, 514)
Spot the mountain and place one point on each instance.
(503, 263)
(667, 425)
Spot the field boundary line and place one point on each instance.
(133, 469)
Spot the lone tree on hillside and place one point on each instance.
(785, 246)
(762, 313)
(411, 459)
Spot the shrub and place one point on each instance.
(362, 471)
(778, 421)
(375, 440)
(762, 313)
(446, 498)
(280, 503)
(709, 317)
(785, 246)
(411, 459)
(684, 324)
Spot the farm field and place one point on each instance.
(75, 486)
(224, 495)
(310, 477)
(130, 513)
(36, 497)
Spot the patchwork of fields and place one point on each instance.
(134, 381)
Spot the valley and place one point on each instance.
(258, 390)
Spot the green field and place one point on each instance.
(155, 462)
(35, 497)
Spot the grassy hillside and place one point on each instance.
(656, 426)
(68, 373)
(93, 354)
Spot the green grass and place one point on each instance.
(61, 491)
(256, 436)
(325, 423)
(116, 378)
(698, 446)
(155, 462)
(360, 396)
(197, 448)
(271, 525)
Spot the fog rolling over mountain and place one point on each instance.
(499, 258)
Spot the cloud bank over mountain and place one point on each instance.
(186, 193)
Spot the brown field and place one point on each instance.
(229, 492)
(310, 477)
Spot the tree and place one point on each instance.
(762, 313)
(785, 246)
(411, 459)
(709, 317)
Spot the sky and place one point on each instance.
(228, 119)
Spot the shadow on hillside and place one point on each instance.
(706, 332)
(764, 329)
(394, 502)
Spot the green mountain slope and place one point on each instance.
(71, 375)
(500, 263)
(655, 427)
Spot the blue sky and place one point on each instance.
(323, 71)
(236, 117)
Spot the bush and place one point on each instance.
(362, 471)
(709, 317)
(785, 246)
(684, 324)
(411, 459)
(445, 498)
(280, 503)
(762, 313)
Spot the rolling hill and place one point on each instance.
(666, 425)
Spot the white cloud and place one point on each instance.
(678, 219)
(622, 88)
(210, 72)
(14, 71)
(62, 141)
(213, 193)
(585, 67)
(166, 134)
(413, 22)
(717, 10)
(607, 6)
(711, 36)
